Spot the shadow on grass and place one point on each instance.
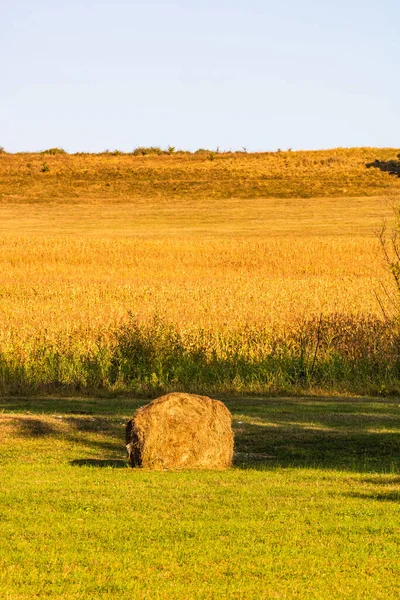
(390, 166)
(296, 446)
(71, 405)
(335, 433)
(379, 480)
(343, 434)
(386, 489)
(35, 427)
(392, 496)
(100, 463)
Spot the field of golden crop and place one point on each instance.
(193, 240)
(61, 284)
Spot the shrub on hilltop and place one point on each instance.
(53, 151)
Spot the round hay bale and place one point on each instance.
(181, 431)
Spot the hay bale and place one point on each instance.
(181, 431)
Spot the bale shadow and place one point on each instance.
(104, 436)
(390, 166)
(85, 423)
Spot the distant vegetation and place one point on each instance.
(54, 151)
(172, 174)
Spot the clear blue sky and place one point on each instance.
(264, 74)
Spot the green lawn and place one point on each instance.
(310, 510)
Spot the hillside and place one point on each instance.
(117, 177)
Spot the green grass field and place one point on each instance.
(310, 509)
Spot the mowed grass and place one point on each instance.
(310, 509)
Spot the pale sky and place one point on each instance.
(262, 74)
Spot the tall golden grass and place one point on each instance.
(161, 314)
(76, 284)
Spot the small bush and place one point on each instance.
(53, 151)
(144, 151)
(45, 168)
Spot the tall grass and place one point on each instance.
(234, 316)
(338, 353)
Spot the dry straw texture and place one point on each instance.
(67, 291)
(181, 431)
(129, 178)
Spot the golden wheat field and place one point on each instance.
(82, 264)
(58, 284)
